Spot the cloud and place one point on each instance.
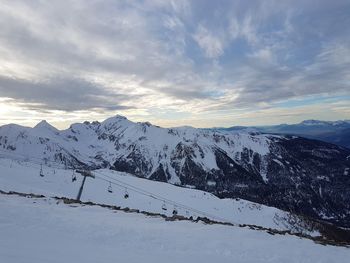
(264, 54)
(211, 44)
(141, 57)
(214, 40)
(270, 82)
(62, 94)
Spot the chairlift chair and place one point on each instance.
(109, 189)
(175, 210)
(164, 207)
(126, 194)
(41, 171)
(74, 177)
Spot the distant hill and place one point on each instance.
(336, 132)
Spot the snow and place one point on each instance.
(324, 123)
(45, 125)
(42, 230)
(314, 122)
(278, 161)
(326, 178)
(263, 169)
(24, 177)
(117, 137)
(211, 183)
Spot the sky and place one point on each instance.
(202, 63)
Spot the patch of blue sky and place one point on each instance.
(291, 103)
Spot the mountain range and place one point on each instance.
(296, 174)
(336, 132)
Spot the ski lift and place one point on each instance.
(164, 207)
(84, 172)
(74, 177)
(109, 189)
(126, 194)
(41, 171)
(175, 210)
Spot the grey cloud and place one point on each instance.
(327, 75)
(61, 94)
(187, 94)
(152, 43)
(108, 37)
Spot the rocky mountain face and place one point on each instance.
(288, 172)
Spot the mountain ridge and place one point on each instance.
(336, 132)
(289, 172)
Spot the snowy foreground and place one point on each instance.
(47, 230)
(42, 230)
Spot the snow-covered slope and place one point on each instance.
(291, 173)
(42, 230)
(143, 194)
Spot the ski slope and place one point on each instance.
(144, 195)
(44, 230)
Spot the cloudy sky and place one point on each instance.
(200, 63)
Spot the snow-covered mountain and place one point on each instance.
(325, 123)
(336, 132)
(292, 173)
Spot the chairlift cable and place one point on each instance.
(120, 184)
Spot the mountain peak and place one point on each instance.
(118, 116)
(44, 124)
(115, 120)
(314, 122)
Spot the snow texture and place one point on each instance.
(44, 230)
